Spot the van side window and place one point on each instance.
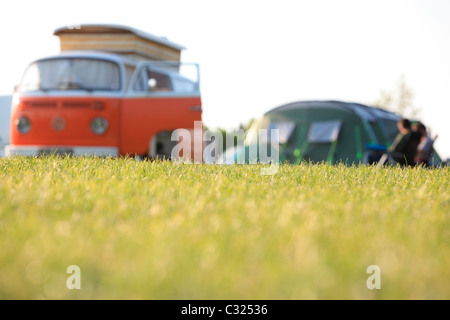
(151, 80)
(183, 85)
(160, 81)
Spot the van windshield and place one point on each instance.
(71, 74)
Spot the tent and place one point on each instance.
(330, 131)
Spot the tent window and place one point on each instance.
(324, 131)
(285, 130)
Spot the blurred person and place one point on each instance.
(404, 147)
(425, 147)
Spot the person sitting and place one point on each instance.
(425, 147)
(403, 148)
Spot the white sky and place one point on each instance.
(257, 55)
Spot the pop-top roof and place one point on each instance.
(118, 39)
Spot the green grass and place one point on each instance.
(160, 230)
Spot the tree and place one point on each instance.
(399, 100)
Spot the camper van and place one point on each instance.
(111, 91)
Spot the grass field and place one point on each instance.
(161, 230)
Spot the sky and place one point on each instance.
(257, 55)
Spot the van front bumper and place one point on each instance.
(12, 150)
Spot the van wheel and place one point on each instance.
(161, 146)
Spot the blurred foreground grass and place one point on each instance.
(160, 230)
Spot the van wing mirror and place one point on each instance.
(152, 84)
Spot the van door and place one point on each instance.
(160, 100)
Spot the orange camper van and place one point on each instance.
(112, 91)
